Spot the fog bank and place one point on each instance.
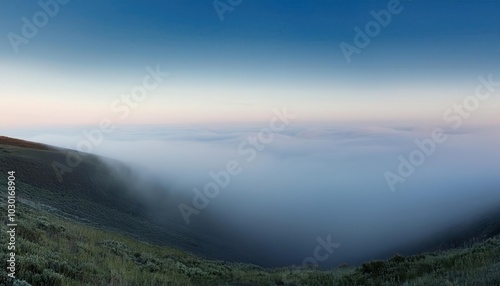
(307, 184)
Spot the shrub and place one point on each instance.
(373, 268)
(20, 283)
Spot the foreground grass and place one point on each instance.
(56, 251)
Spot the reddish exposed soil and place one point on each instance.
(22, 143)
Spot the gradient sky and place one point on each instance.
(264, 55)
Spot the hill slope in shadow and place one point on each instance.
(102, 192)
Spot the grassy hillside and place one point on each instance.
(57, 251)
(96, 193)
(90, 230)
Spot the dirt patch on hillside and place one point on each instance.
(22, 143)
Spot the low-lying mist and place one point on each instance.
(307, 186)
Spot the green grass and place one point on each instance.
(58, 251)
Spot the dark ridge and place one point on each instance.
(23, 144)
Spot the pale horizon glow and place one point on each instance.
(58, 99)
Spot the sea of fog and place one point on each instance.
(309, 193)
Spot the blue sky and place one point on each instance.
(264, 54)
